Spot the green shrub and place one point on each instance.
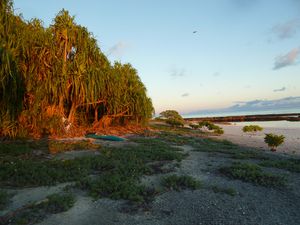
(273, 140)
(174, 182)
(173, 118)
(252, 173)
(252, 128)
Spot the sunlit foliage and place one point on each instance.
(57, 77)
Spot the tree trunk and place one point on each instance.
(96, 115)
(71, 117)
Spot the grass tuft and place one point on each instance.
(252, 173)
(292, 165)
(174, 182)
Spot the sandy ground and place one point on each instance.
(251, 206)
(291, 144)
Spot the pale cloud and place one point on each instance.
(118, 49)
(280, 89)
(175, 72)
(287, 60)
(287, 29)
(185, 95)
(288, 102)
(257, 105)
(216, 74)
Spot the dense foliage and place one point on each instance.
(57, 76)
(173, 118)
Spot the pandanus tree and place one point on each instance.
(64, 33)
(128, 99)
(55, 74)
(11, 82)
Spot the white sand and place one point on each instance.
(291, 144)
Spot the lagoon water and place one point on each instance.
(270, 124)
(273, 124)
(239, 113)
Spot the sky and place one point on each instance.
(194, 55)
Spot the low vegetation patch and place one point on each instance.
(63, 146)
(292, 165)
(35, 213)
(252, 173)
(156, 149)
(226, 147)
(228, 191)
(174, 182)
(48, 172)
(116, 171)
(14, 149)
(115, 186)
(252, 128)
(59, 203)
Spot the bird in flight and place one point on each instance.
(194, 32)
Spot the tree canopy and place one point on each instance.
(58, 75)
(172, 117)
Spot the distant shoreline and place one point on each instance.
(247, 118)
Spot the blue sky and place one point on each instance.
(241, 51)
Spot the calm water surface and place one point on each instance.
(277, 124)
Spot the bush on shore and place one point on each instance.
(273, 141)
(252, 128)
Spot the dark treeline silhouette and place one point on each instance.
(56, 77)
